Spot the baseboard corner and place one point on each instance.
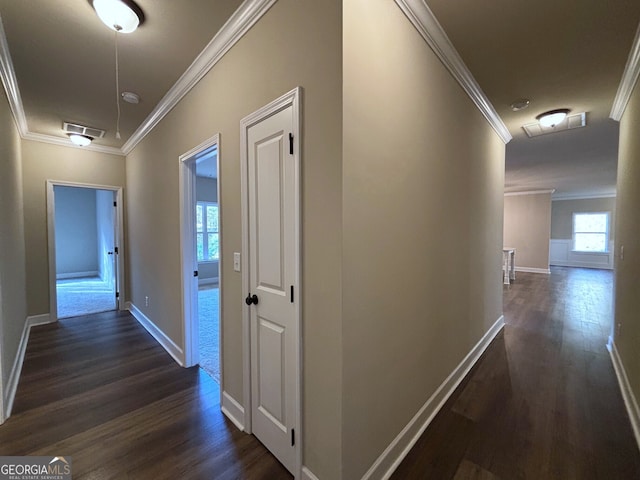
(399, 448)
(233, 410)
(307, 474)
(628, 396)
(169, 345)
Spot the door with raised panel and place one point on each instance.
(272, 236)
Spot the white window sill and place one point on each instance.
(582, 252)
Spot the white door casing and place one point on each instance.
(51, 242)
(271, 276)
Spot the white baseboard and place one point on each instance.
(388, 461)
(627, 394)
(308, 474)
(63, 276)
(233, 410)
(546, 271)
(172, 349)
(16, 369)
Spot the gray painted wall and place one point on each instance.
(13, 302)
(76, 231)
(562, 214)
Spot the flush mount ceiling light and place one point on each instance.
(80, 140)
(123, 16)
(552, 117)
(520, 104)
(130, 97)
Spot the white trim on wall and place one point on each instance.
(561, 254)
(628, 81)
(630, 400)
(388, 461)
(581, 196)
(51, 240)
(529, 192)
(231, 32)
(430, 29)
(533, 270)
(16, 369)
(307, 474)
(233, 410)
(169, 345)
(64, 276)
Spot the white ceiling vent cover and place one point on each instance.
(82, 130)
(576, 120)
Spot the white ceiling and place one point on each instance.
(568, 53)
(559, 54)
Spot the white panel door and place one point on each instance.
(272, 263)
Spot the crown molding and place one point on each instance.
(10, 83)
(430, 29)
(629, 79)
(64, 142)
(529, 192)
(233, 30)
(582, 196)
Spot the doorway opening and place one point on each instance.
(83, 249)
(200, 214)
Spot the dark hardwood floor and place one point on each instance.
(543, 402)
(101, 390)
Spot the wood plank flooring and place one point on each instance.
(543, 402)
(101, 390)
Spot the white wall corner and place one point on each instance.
(172, 349)
(307, 474)
(233, 410)
(16, 369)
(630, 400)
(430, 29)
(392, 456)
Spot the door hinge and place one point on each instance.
(117, 294)
(115, 204)
(291, 144)
(195, 273)
(116, 250)
(293, 437)
(291, 293)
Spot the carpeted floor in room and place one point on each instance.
(209, 331)
(84, 296)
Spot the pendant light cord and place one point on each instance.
(117, 89)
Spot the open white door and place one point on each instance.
(272, 212)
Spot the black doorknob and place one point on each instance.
(251, 299)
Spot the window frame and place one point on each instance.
(606, 233)
(205, 232)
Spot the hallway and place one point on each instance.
(543, 402)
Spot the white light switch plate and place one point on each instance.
(236, 261)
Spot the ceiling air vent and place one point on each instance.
(576, 120)
(82, 130)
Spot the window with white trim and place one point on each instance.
(591, 232)
(207, 234)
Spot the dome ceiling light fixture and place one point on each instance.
(552, 117)
(123, 16)
(80, 140)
